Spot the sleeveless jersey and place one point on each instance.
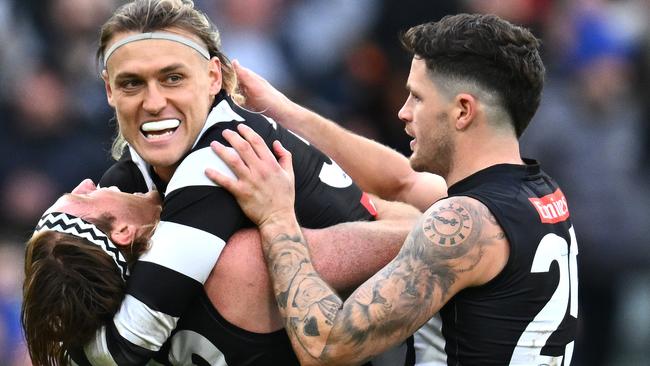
(165, 290)
(527, 314)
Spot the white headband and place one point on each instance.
(156, 35)
(69, 224)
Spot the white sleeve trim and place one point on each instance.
(191, 172)
(184, 249)
(97, 350)
(143, 326)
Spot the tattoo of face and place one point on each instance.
(448, 226)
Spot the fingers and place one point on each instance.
(284, 157)
(232, 160)
(250, 155)
(246, 80)
(220, 179)
(256, 142)
(241, 75)
(244, 74)
(241, 71)
(264, 186)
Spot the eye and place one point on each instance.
(130, 84)
(173, 79)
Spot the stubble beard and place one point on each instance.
(435, 153)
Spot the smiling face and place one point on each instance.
(426, 114)
(162, 92)
(88, 202)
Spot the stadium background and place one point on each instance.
(342, 58)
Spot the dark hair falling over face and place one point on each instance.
(72, 288)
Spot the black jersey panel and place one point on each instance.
(497, 323)
(236, 346)
(219, 213)
(125, 175)
(124, 352)
(161, 288)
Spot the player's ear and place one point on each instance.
(107, 86)
(123, 234)
(464, 111)
(216, 76)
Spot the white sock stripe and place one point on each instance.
(69, 224)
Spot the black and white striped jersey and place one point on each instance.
(527, 314)
(197, 219)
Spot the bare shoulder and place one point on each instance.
(461, 233)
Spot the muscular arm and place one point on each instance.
(240, 281)
(365, 160)
(455, 244)
(367, 246)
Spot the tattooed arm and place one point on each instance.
(454, 245)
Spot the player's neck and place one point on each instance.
(165, 173)
(472, 158)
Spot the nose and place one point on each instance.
(153, 197)
(86, 186)
(154, 100)
(405, 113)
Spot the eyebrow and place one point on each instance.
(164, 70)
(172, 67)
(75, 197)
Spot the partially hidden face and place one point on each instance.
(87, 202)
(161, 91)
(426, 114)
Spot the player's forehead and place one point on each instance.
(71, 203)
(128, 55)
(119, 36)
(89, 204)
(420, 81)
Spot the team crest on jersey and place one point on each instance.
(332, 175)
(551, 208)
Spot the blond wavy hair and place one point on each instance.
(152, 15)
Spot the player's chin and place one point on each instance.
(414, 161)
(161, 156)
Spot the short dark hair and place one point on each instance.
(500, 57)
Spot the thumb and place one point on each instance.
(243, 73)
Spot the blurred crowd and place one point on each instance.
(342, 58)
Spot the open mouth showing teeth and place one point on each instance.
(159, 129)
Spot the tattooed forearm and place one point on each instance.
(285, 260)
(450, 240)
(308, 304)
